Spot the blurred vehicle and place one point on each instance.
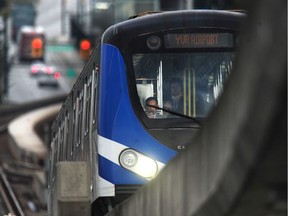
(40, 67)
(31, 43)
(49, 77)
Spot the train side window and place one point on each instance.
(96, 73)
(59, 150)
(80, 116)
(88, 104)
(93, 93)
(62, 139)
(84, 108)
(56, 147)
(52, 162)
(66, 134)
(73, 145)
(76, 120)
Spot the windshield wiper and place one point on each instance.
(176, 114)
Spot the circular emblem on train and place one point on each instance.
(154, 42)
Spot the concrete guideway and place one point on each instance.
(27, 145)
(25, 174)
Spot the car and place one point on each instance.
(49, 79)
(40, 67)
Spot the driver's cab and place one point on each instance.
(185, 84)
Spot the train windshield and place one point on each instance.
(183, 84)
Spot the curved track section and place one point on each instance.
(23, 185)
(26, 144)
(237, 164)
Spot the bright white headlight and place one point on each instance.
(138, 163)
(128, 158)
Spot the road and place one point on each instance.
(23, 87)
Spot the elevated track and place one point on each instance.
(23, 179)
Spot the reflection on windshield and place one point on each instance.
(185, 83)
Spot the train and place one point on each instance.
(179, 59)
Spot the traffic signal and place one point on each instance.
(37, 48)
(85, 49)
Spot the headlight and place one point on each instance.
(138, 163)
(128, 158)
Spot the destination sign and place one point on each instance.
(198, 40)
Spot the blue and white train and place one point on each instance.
(104, 120)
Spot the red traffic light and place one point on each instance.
(85, 45)
(37, 43)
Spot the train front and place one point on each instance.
(160, 77)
